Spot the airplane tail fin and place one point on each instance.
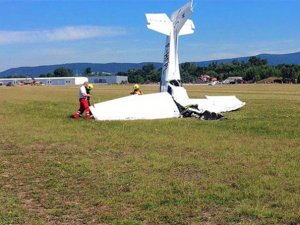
(159, 22)
(179, 21)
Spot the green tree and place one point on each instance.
(186, 78)
(251, 74)
(254, 70)
(136, 79)
(88, 71)
(122, 74)
(212, 73)
(136, 76)
(155, 76)
(189, 72)
(63, 72)
(235, 62)
(212, 66)
(256, 61)
(148, 68)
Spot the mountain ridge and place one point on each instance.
(78, 68)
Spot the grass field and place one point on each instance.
(56, 170)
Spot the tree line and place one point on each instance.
(253, 70)
(65, 72)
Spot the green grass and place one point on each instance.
(243, 170)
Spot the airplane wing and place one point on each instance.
(136, 107)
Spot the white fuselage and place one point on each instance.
(170, 69)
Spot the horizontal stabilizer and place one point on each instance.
(188, 28)
(159, 22)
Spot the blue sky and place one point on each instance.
(44, 32)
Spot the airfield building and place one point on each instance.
(112, 79)
(64, 80)
(45, 80)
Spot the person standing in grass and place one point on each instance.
(136, 90)
(84, 104)
(88, 91)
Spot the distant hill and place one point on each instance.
(273, 59)
(78, 68)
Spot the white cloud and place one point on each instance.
(69, 33)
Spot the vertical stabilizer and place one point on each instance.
(177, 25)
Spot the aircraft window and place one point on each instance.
(176, 83)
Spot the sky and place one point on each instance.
(46, 32)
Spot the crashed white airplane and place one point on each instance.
(172, 101)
